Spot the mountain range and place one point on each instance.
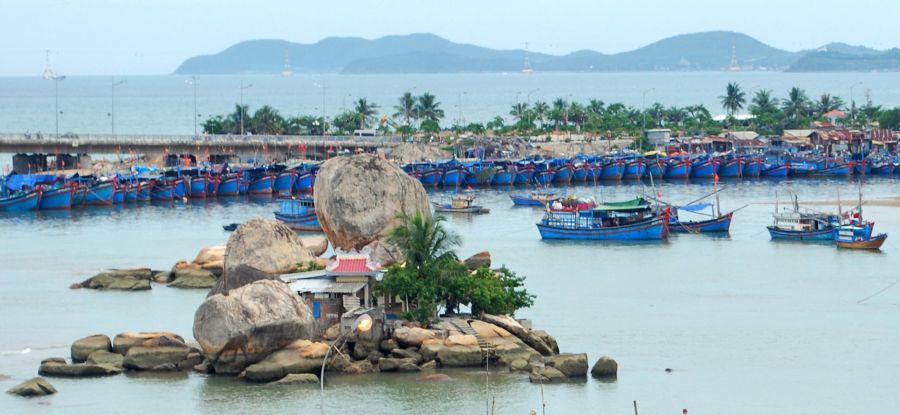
(428, 53)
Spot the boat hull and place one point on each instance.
(655, 229)
(613, 171)
(634, 170)
(229, 187)
(823, 235)
(162, 193)
(100, 195)
(705, 170)
(454, 177)
(562, 175)
(732, 168)
(431, 178)
(776, 171)
(679, 170)
(871, 243)
(502, 178)
(285, 182)
(720, 224)
(57, 199)
(261, 186)
(752, 168)
(198, 187)
(523, 177)
(307, 222)
(119, 196)
(178, 188)
(21, 203)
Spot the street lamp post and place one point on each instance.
(242, 104)
(56, 80)
(362, 324)
(112, 106)
(643, 110)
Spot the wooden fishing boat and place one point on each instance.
(460, 203)
(536, 198)
(101, 194)
(632, 220)
(59, 198)
(718, 224)
(846, 239)
(298, 214)
(198, 187)
(796, 225)
(21, 201)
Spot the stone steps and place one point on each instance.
(487, 349)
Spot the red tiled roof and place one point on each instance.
(834, 114)
(351, 265)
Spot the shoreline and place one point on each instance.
(893, 202)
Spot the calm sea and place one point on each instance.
(747, 325)
(165, 104)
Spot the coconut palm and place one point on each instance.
(827, 102)
(428, 108)
(267, 120)
(366, 111)
(406, 108)
(541, 111)
(423, 240)
(518, 111)
(796, 105)
(558, 112)
(734, 98)
(595, 106)
(763, 102)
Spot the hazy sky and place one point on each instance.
(154, 36)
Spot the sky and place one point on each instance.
(146, 37)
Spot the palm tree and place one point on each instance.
(595, 106)
(796, 105)
(541, 111)
(558, 112)
(423, 240)
(267, 120)
(827, 103)
(657, 111)
(763, 102)
(366, 111)
(518, 111)
(734, 99)
(428, 108)
(406, 108)
(240, 116)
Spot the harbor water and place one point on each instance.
(745, 325)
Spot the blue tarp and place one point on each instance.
(15, 182)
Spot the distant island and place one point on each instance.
(428, 53)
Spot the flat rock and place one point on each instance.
(282, 363)
(546, 375)
(154, 358)
(33, 387)
(461, 340)
(488, 330)
(407, 354)
(193, 278)
(392, 364)
(297, 379)
(124, 341)
(460, 356)
(412, 336)
(104, 358)
(120, 279)
(76, 370)
(82, 348)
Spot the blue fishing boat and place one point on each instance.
(775, 170)
(752, 167)
(162, 192)
(284, 182)
(503, 177)
(858, 237)
(20, 201)
(656, 169)
(678, 169)
(718, 223)
(229, 185)
(198, 187)
(78, 194)
(536, 198)
(732, 168)
(454, 176)
(261, 185)
(298, 214)
(524, 175)
(862, 167)
(431, 177)
(144, 189)
(884, 167)
(613, 170)
(581, 173)
(705, 169)
(212, 186)
(843, 169)
(562, 174)
(131, 192)
(178, 187)
(796, 225)
(101, 194)
(801, 168)
(634, 170)
(57, 198)
(624, 221)
(119, 196)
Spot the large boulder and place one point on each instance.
(267, 245)
(193, 278)
(548, 340)
(33, 387)
(573, 365)
(240, 276)
(412, 336)
(104, 358)
(605, 367)
(82, 348)
(297, 379)
(210, 255)
(120, 279)
(129, 339)
(250, 322)
(317, 244)
(155, 358)
(546, 374)
(488, 330)
(358, 199)
(460, 356)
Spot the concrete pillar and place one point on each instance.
(85, 162)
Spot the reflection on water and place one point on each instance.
(749, 325)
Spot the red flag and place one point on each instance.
(715, 177)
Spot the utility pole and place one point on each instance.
(242, 104)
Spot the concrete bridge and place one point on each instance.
(32, 150)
